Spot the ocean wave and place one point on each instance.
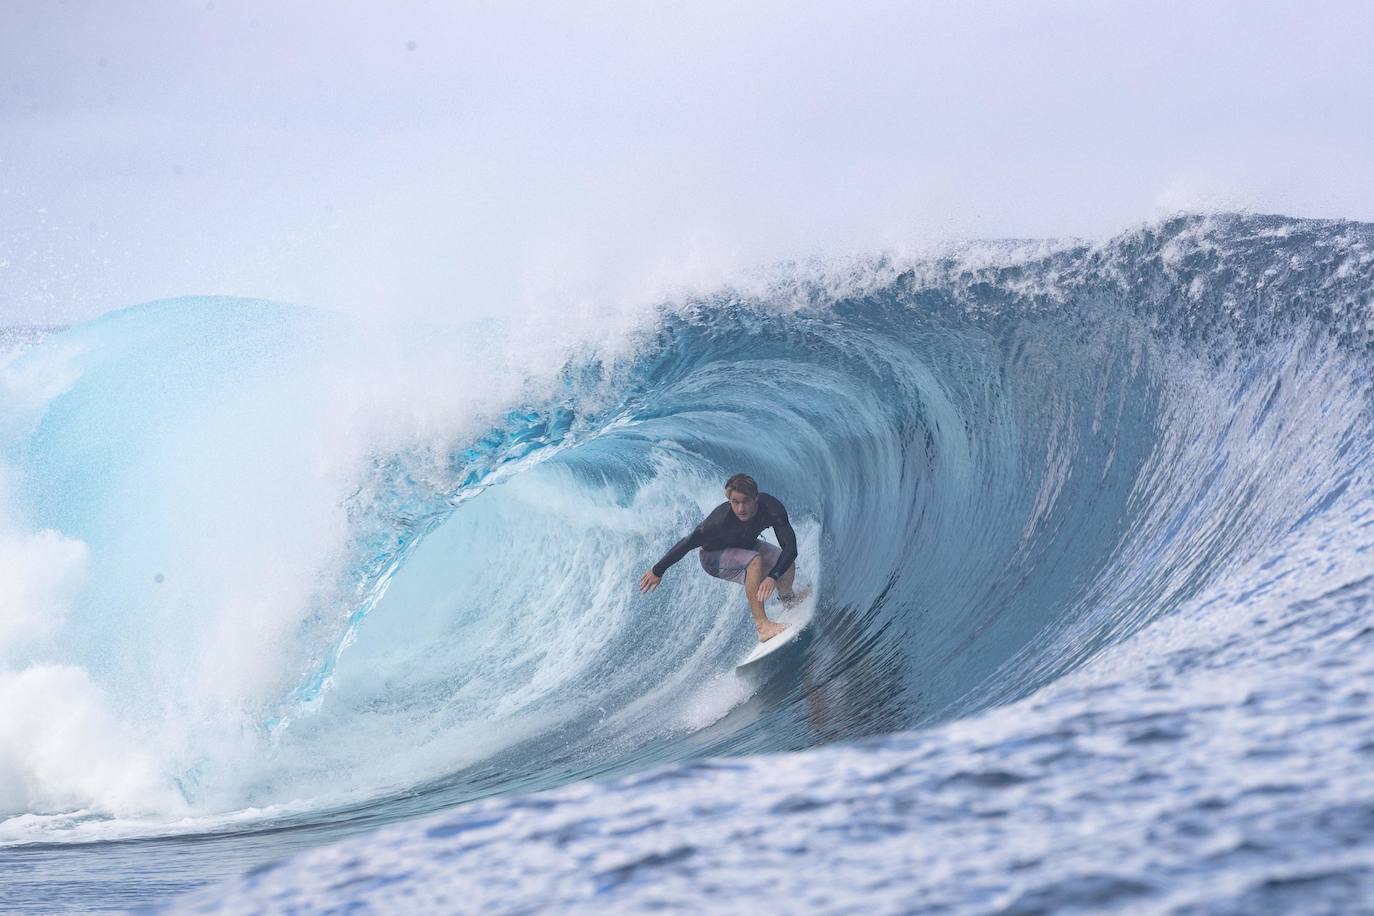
(316, 573)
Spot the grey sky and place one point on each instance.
(456, 159)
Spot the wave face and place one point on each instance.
(272, 571)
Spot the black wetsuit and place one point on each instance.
(722, 528)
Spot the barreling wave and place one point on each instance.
(287, 572)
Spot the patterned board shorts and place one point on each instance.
(731, 563)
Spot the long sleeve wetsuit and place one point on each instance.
(722, 528)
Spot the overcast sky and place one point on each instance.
(440, 159)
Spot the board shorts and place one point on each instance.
(731, 563)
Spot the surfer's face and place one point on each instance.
(743, 506)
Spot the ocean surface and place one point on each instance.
(297, 611)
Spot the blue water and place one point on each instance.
(1090, 527)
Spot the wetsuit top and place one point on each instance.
(722, 528)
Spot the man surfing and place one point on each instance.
(731, 550)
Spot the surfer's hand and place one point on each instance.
(649, 582)
(766, 589)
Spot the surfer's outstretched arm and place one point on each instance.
(649, 581)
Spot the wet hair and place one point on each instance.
(742, 484)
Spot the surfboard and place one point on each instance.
(796, 619)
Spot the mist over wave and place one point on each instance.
(266, 565)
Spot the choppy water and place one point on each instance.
(1090, 525)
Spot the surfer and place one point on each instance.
(731, 550)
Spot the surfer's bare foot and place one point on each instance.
(768, 629)
(795, 598)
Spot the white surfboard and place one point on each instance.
(796, 619)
